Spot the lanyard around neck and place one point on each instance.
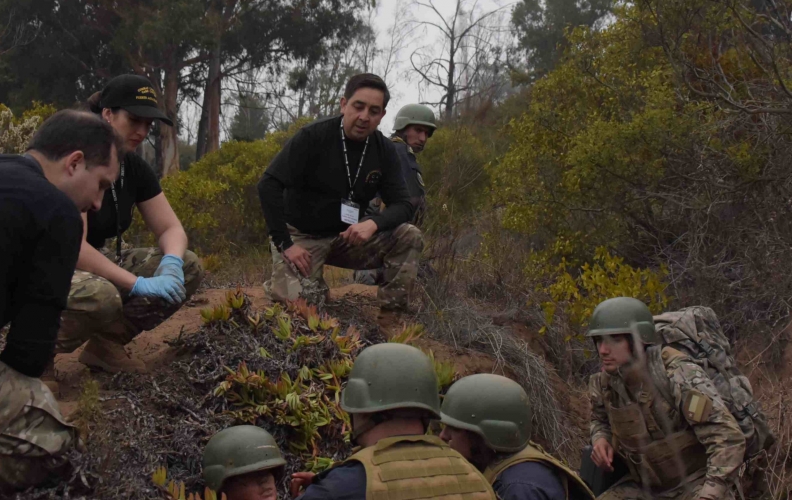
(118, 214)
(346, 161)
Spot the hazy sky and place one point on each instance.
(403, 81)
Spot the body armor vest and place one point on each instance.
(414, 467)
(574, 487)
(658, 455)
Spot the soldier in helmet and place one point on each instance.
(244, 463)
(487, 419)
(689, 450)
(391, 396)
(413, 126)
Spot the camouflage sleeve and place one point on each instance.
(700, 404)
(600, 426)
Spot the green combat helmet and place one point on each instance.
(622, 315)
(494, 407)
(239, 450)
(415, 114)
(389, 377)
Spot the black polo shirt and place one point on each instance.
(139, 184)
(40, 236)
(305, 183)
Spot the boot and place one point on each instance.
(110, 357)
(49, 378)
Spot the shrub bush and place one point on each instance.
(216, 199)
(16, 132)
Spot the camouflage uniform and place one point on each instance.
(689, 451)
(96, 308)
(34, 438)
(397, 251)
(415, 185)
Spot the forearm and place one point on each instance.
(270, 192)
(394, 215)
(173, 241)
(600, 424)
(92, 261)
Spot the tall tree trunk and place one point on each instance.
(450, 91)
(169, 136)
(213, 133)
(203, 124)
(209, 126)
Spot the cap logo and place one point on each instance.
(146, 94)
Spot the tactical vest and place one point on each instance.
(657, 457)
(534, 453)
(413, 467)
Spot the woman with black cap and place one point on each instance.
(116, 294)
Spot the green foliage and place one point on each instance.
(250, 122)
(216, 199)
(89, 409)
(541, 28)
(175, 490)
(16, 132)
(453, 165)
(306, 404)
(579, 289)
(596, 135)
(445, 370)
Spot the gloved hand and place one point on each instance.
(171, 265)
(164, 287)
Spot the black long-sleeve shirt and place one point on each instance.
(305, 183)
(40, 235)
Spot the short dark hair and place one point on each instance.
(367, 80)
(68, 131)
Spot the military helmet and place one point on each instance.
(239, 450)
(622, 315)
(494, 407)
(391, 376)
(415, 114)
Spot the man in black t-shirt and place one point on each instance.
(71, 160)
(312, 194)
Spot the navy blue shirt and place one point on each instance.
(529, 481)
(345, 482)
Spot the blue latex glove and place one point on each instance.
(171, 265)
(164, 287)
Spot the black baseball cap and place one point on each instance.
(135, 94)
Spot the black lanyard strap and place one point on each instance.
(346, 161)
(118, 215)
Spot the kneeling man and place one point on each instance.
(315, 190)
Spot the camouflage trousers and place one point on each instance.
(34, 438)
(395, 251)
(96, 308)
(631, 490)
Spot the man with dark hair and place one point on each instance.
(312, 194)
(70, 162)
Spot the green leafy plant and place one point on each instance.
(306, 402)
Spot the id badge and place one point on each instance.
(350, 212)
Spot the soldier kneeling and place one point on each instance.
(488, 421)
(243, 463)
(691, 449)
